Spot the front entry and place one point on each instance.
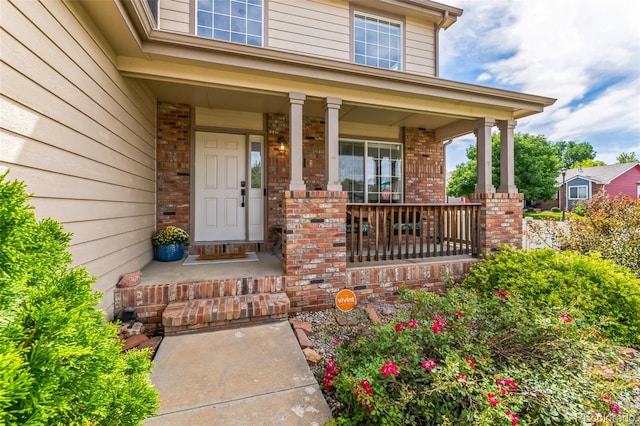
(220, 187)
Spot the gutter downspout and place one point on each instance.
(437, 35)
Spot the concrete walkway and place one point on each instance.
(246, 376)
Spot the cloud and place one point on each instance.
(585, 53)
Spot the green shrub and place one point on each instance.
(603, 292)
(473, 359)
(555, 209)
(60, 361)
(579, 210)
(611, 227)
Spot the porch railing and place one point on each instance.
(411, 231)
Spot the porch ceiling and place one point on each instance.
(221, 98)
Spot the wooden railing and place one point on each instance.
(411, 231)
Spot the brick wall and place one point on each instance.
(314, 247)
(173, 165)
(424, 168)
(500, 219)
(277, 171)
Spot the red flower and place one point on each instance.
(502, 390)
(513, 417)
(492, 399)
(565, 318)
(615, 408)
(459, 314)
(460, 378)
(399, 327)
(502, 293)
(336, 341)
(413, 324)
(471, 363)
(429, 364)
(389, 368)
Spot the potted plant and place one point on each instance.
(169, 243)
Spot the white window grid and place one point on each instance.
(238, 21)
(377, 41)
(578, 192)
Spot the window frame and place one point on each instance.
(201, 30)
(393, 181)
(384, 18)
(577, 187)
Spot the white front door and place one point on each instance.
(220, 167)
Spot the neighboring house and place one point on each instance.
(238, 119)
(582, 184)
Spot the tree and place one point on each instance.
(572, 152)
(536, 167)
(625, 157)
(60, 361)
(588, 163)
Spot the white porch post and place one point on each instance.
(296, 181)
(331, 144)
(507, 166)
(483, 137)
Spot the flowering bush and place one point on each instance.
(603, 292)
(169, 235)
(481, 360)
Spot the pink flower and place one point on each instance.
(502, 293)
(336, 341)
(460, 378)
(438, 324)
(399, 327)
(615, 408)
(389, 368)
(492, 399)
(429, 364)
(459, 314)
(502, 390)
(413, 324)
(513, 417)
(565, 318)
(471, 363)
(507, 382)
(605, 399)
(332, 371)
(364, 394)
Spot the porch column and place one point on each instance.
(507, 167)
(296, 101)
(331, 145)
(483, 137)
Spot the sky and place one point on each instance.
(584, 53)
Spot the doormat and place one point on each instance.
(193, 259)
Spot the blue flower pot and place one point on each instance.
(169, 252)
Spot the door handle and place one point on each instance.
(243, 192)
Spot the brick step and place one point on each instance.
(219, 312)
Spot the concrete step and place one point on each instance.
(220, 312)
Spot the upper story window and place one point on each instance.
(239, 21)
(377, 42)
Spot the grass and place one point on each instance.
(546, 215)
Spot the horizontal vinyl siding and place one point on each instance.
(79, 135)
(419, 47)
(318, 28)
(175, 15)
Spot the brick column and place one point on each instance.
(314, 247)
(500, 219)
(173, 165)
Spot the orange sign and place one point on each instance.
(345, 300)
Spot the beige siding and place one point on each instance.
(81, 137)
(175, 16)
(375, 131)
(419, 47)
(313, 27)
(206, 117)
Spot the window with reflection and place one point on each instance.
(238, 21)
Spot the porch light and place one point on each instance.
(282, 141)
